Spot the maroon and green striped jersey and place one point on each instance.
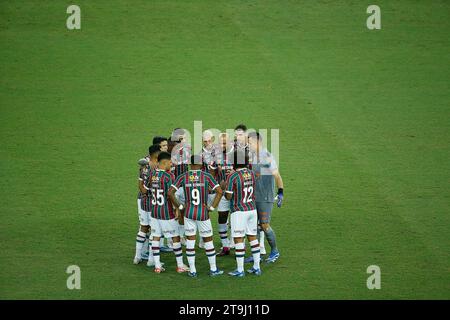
(225, 164)
(196, 184)
(144, 173)
(179, 169)
(181, 154)
(158, 184)
(241, 184)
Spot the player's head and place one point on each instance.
(153, 152)
(208, 139)
(240, 159)
(196, 162)
(240, 134)
(178, 135)
(162, 142)
(254, 140)
(164, 160)
(223, 140)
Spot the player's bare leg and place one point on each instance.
(140, 240)
(223, 233)
(190, 254)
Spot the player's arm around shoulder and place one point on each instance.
(229, 187)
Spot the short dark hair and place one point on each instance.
(164, 156)
(255, 134)
(240, 159)
(153, 149)
(241, 126)
(159, 139)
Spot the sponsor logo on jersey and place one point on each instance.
(193, 177)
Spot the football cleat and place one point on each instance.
(273, 256)
(159, 270)
(137, 260)
(192, 274)
(253, 270)
(217, 272)
(237, 274)
(182, 269)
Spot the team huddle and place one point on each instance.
(178, 190)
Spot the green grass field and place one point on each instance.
(364, 138)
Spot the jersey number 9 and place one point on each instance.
(195, 197)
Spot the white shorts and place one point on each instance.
(144, 216)
(204, 227)
(244, 223)
(179, 194)
(224, 204)
(168, 228)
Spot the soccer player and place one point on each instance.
(163, 215)
(142, 238)
(266, 171)
(196, 185)
(241, 144)
(240, 138)
(163, 146)
(162, 142)
(209, 151)
(180, 152)
(224, 160)
(239, 189)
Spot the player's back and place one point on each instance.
(241, 184)
(196, 185)
(159, 183)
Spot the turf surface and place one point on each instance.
(364, 129)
